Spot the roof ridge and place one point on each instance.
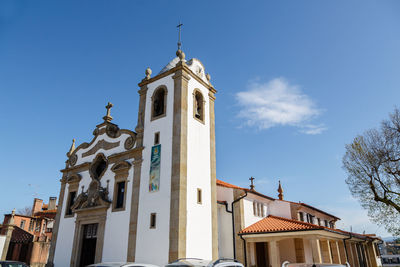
(296, 221)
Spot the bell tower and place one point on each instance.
(176, 203)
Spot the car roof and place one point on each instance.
(190, 262)
(118, 264)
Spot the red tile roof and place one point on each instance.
(278, 224)
(225, 184)
(273, 224)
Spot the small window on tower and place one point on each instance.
(198, 106)
(156, 138)
(199, 196)
(159, 103)
(153, 220)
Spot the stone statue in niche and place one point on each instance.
(95, 195)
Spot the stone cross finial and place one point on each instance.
(251, 185)
(108, 117)
(179, 26)
(280, 191)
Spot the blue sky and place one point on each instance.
(311, 74)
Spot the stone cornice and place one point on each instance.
(125, 155)
(184, 67)
(77, 168)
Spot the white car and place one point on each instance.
(288, 264)
(121, 264)
(193, 262)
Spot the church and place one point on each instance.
(152, 196)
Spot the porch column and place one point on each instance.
(274, 257)
(335, 251)
(326, 252)
(367, 257)
(342, 252)
(372, 254)
(316, 250)
(349, 247)
(355, 254)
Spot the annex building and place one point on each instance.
(151, 195)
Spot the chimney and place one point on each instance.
(52, 203)
(37, 205)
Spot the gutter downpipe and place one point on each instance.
(345, 248)
(245, 251)
(233, 223)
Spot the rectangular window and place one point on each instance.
(156, 138)
(153, 220)
(22, 225)
(301, 216)
(120, 195)
(326, 223)
(37, 227)
(71, 201)
(30, 225)
(254, 208)
(319, 221)
(199, 196)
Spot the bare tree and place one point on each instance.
(27, 211)
(372, 162)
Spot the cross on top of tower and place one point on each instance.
(108, 117)
(179, 26)
(251, 181)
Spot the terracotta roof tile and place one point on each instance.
(278, 224)
(225, 184)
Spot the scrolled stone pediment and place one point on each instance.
(102, 132)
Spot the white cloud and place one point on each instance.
(275, 103)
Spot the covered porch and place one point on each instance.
(313, 244)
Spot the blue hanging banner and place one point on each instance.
(154, 182)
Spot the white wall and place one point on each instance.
(65, 237)
(115, 241)
(225, 194)
(225, 239)
(249, 217)
(280, 209)
(117, 226)
(199, 228)
(152, 245)
(2, 242)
